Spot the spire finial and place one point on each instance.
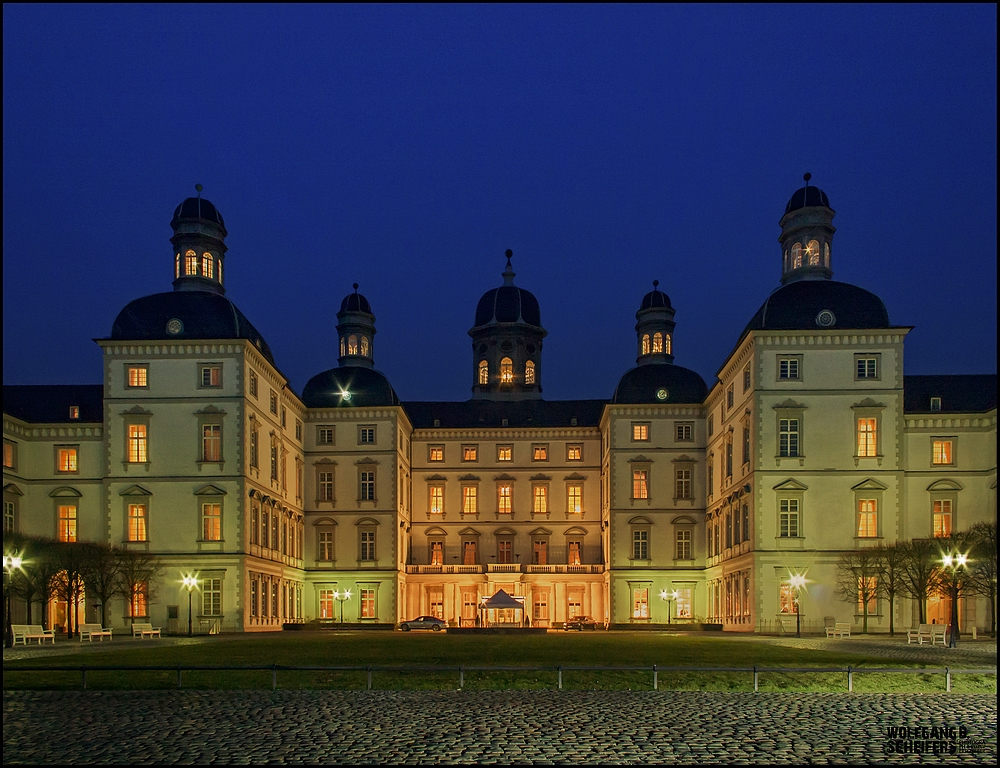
(806, 176)
(655, 283)
(198, 189)
(508, 273)
(355, 287)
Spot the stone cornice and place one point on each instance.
(500, 435)
(85, 431)
(987, 421)
(352, 414)
(886, 337)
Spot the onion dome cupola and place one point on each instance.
(199, 245)
(356, 331)
(806, 235)
(655, 328)
(507, 343)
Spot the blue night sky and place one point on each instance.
(406, 147)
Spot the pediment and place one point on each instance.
(575, 476)
(541, 532)
(210, 490)
(504, 476)
(640, 520)
(469, 478)
(13, 490)
(436, 531)
(576, 530)
(366, 460)
(540, 477)
(505, 532)
(944, 485)
(790, 484)
(325, 461)
(868, 403)
(367, 521)
(869, 485)
(468, 532)
(790, 405)
(640, 459)
(325, 521)
(65, 490)
(683, 459)
(135, 490)
(432, 478)
(683, 520)
(137, 410)
(210, 410)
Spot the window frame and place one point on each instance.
(367, 486)
(206, 517)
(366, 431)
(952, 443)
(214, 375)
(874, 357)
(505, 452)
(794, 362)
(470, 452)
(324, 431)
(683, 431)
(137, 368)
(72, 455)
(794, 514)
(574, 447)
(432, 450)
(140, 442)
(640, 431)
(539, 452)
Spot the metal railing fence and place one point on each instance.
(461, 669)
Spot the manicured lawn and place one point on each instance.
(422, 650)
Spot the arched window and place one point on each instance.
(177, 265)
(343, 346)
(657, 343)
(645, 343)
(484, 372)
(506, 371)
(190, 263)
(529, 372)
(365, 348)
(796, 256)
(207, 265)
(220, 270)
(352, 344)
(667, 344)
(826, 255)
(812, 251)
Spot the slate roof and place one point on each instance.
(367, 388)
(508, 304)
(807, 197)
(489, 414)
(197, 208)
(797, 305)
(50, 403)
(641, 384)
(655, 299)
(961, 393)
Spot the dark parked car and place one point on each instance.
(424, 622)
(581, 623)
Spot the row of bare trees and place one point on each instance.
(70, 571)
(915, 570)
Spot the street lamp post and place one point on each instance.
(798, 581)
(953, 563)
(340, 597)
(189, 584)
(669, 597)
(11, 563)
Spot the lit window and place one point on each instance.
(540, 500)
(470, 453)
(211, 517)
(574, 548)
(137, 444)
(470, 499)
(574, 499)
(139, 604)
(136, 376)
(506, 371)
(640, 602)
(682, 483)
(683, 549)
(788, 437)
(325, 546)
(640, 545)
(812, 253)
(788, 368)
(942, 453)
(220, 270)
(867, 437)
(574, 453)
(504, 494)
(645, 344)
(867, 367)
(657, 343)
(867, 595)
(484, 372)
(640, 431)
(437, 499)
(640, 487)
(324, 435)
(505, 453)
(786, 600)
(9, 454)
(367, 545)
(211, 442)
(942, 518)
(682, 605)
(137, 522)
(352, 344)
(365, 347)
(207, 263)
(67, 522)
(66, 459)
(190, 263)
(796, 256)
(177, 265)
(437, 553)
(366, 435)
(211, 597)
(529, 372)
(367, 480)
(436, 453)
(539, 453)
(788, 518)
(867, 518)
(667, 344)
(540, 552)
(469, 553)
(367, 603)
(211, 375)
(326, 486)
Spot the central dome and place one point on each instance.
(508, 304)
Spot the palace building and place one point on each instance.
(674, 500)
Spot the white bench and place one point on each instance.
(90, 631)
(26, 632)
(143, 631)
(839, 629)
(932, 633)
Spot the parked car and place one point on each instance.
(432, 623)
(581, 623)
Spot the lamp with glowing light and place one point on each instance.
(798, 581)
(670, 597)
(11, 563)
(954, 563)
(341, 597)
(190, 582)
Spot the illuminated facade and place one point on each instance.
(671, 501)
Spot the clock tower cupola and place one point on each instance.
(806, 235)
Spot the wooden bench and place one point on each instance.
(143, 631)
(839, 629)
(90, 631)
(932, 633)
(26, 632)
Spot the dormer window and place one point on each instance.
(74, 412)
(529, 372)
(207, 265)
(190, 263)
(484, 372)
(506, 371)
(935, 403)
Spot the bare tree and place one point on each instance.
(101, 564)
(137, 573)
(921, 572)
(857, 580)
(890, 560)
(34, 582)
(982, 571)
(68, 580)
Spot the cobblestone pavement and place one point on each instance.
(378, 727)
